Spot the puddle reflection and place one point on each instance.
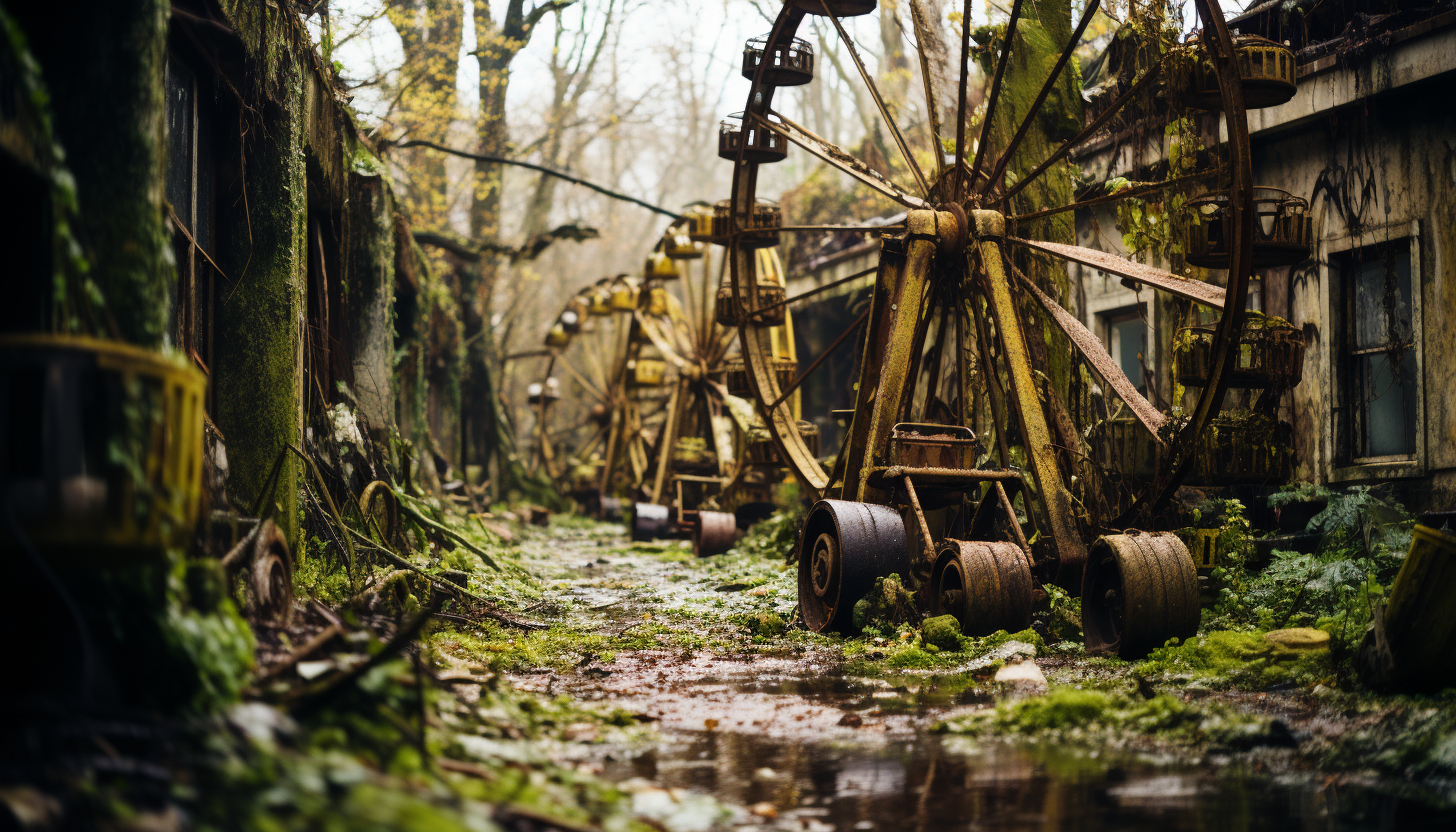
(931, 783)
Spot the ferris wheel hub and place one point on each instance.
(946, 225)
(988, 223)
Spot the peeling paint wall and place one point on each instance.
(1372, 145)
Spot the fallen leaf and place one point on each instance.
(312, 670)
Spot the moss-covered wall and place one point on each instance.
(259, 357)
(369, 291)
(103, 63)
(259, 400)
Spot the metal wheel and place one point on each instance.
(583, 415)
(986, 586)
(1140, 591)
(843, 547)
(270, 575)
(714, 533)
(953, 281)
(650, 521)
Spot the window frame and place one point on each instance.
(1105, 321)
(1338, 351)
(194, 262)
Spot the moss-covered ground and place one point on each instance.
(534, 698)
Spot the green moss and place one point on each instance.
(257, 377)
(767, 624)
(772, 538)
(1001, 637)
(942, 631)
(1235, 659)
(888, 605)
(1095, 716)
(117, 170)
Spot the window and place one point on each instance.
(1377, 362)
(190, 196)
(1125, 334)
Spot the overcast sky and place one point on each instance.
(729, 22)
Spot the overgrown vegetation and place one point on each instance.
(1363, 536)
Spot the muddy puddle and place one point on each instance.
(929, 782)
(820, 752)
(787, 740)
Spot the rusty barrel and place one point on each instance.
(650, 521)
(1139, 590)
(986, 586)
(843, 547)
(1420, 618)
(714, 533)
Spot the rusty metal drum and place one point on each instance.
(987, 586)
(843, 548)
(650, 521)
(1139, 590)
(714, 533)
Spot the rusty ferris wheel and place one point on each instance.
(977, 522)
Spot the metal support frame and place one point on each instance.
(990, 228)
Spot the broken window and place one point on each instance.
(190, 185)
(1376, 411)
(1125, 333)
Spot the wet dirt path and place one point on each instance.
(777, 727)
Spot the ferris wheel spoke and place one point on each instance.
(937, 356)
(591, 389)
(1186, 288)
(1127, 193)
(585, 451)
(823, 356)
(995, 93)
(654, 334)
(690, 322)
(931, 51)
(679, 327)
(1097, 358)
(971, 307)
(1031, 114)
(860, 275)
(1112, 109)
(833, 156)
(879, 101)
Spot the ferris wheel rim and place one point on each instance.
(784, 431)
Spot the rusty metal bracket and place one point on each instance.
(919, 516)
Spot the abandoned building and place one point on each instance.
(1366, 144)
(1362, 143)
(193, 175)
